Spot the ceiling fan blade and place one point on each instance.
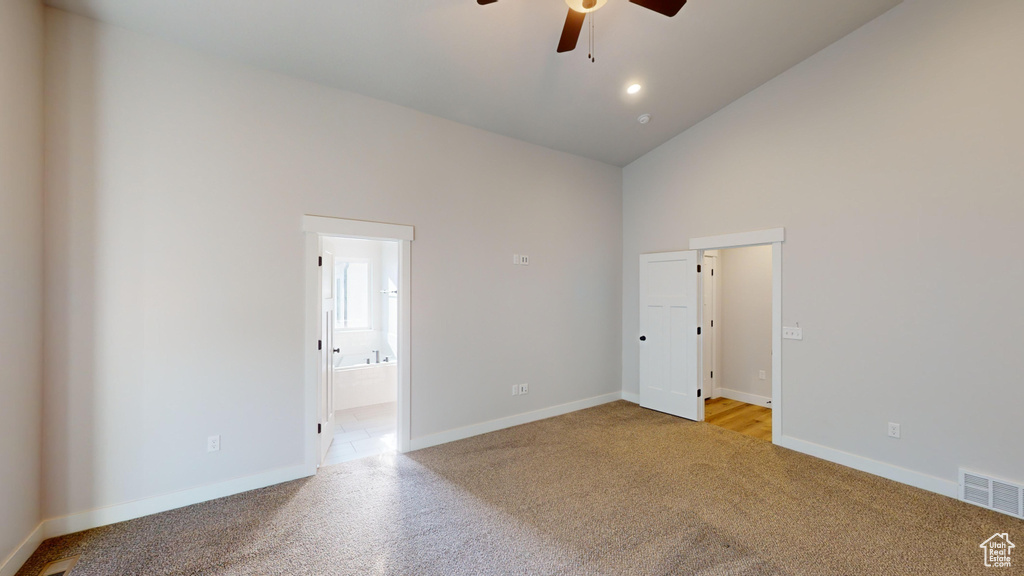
(485, 2)
(667, 7)
(571, 32)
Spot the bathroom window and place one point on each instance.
(352, 290)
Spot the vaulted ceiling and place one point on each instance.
(495, 66)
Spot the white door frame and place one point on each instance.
(774, 237)
(315, 227)
(716, 312)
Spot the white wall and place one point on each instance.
(168, 169)
(894, 160)
(21, 255)
(745, 319)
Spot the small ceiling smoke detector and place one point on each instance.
(644, 118)
(633, 88)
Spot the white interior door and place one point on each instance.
(669, 362)
(325, 413)
(709, 335)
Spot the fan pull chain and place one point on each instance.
(593, 16)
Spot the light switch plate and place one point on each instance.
(792, 333)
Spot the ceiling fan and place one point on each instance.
(578, 10)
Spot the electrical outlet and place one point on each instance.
(524, 388)
(213, 444)
(524, 260)
(515, 389)
(792, 333)
(761, 375)
(894, 430)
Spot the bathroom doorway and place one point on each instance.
(357, 339)
(364, 356)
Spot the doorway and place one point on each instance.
(674, 349)
(358, 378)
(737, 343)
(362, 312)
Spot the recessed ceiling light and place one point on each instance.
(644, 118)
(633, 88)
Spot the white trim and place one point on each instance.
(631, 397)
(739, 239)
(17, 558)
(896, 473)
(716, 312)
(510, 421)
(120, 512)
(312, 355)
(744, 397)
(357, 228)
(777, 420)
(404, 346)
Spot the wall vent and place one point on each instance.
(59, 567)
(992, 493)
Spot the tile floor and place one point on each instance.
(362, 432)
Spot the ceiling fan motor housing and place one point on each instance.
(585, 6)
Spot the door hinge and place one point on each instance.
(698, 392)
(712, 373)
(319, 344)
(712, 323)
(712, 271)
(319, 260)
(698, 268)
(698, 330)
(319, 428)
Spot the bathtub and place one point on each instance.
(342, 362)
(360, 384)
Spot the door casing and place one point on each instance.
(315, 227)
(774, 237)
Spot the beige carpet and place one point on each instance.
(611, 490)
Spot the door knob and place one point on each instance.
(643, 338)
(337, 350)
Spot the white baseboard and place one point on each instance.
(743, 397)
(131, 510)
(22, 553)
(631, 397)
(903, 475)
(510, 421)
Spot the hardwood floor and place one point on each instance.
(739, 417)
